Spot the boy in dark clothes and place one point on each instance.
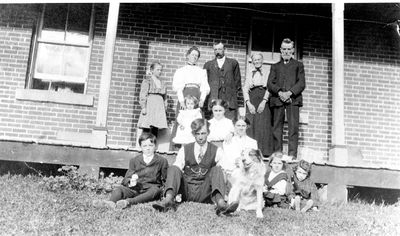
(143, 180)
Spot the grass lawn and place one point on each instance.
(28, 208)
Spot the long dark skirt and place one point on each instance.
(186, 91)
(260, 124)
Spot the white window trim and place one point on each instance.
(55, 97)
(55, 78)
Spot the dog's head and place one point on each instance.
(250, 157)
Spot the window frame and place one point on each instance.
(36, 40)
(297, 41)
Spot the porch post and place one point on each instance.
(338, 155)
(100, 130)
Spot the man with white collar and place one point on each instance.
(286, 82)
(195, 174)
(224, 80)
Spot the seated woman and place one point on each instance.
(221, 128)
(237, 144)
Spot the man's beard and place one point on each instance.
(286, 57)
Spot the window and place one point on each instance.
(61, 53)
(267, 35)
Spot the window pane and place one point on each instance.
(55, 17)
(63, 87)
(49, 59)
(75, 61)
(79, 23)
(40, 84)
(262, 34)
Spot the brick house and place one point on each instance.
(70, 74)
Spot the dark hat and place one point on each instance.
(305, 165)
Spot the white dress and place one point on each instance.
(185, 119)
(219, 129)
(234, 149)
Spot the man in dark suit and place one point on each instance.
(286, 82)
(224, 80)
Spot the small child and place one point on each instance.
(276, 178)
(221, 128)
(304, 195)
(184, 132)
(152, 99)
(143, 180)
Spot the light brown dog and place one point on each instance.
(248, 181)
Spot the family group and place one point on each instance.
(212, 92)
(213, 138)
(202, 173)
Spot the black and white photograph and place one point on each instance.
(199, 118)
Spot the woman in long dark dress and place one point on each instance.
(256, 97)
(190, 80)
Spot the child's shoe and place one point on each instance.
(121, 204)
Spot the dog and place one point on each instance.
(247, 182)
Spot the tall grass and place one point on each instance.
(28, 208)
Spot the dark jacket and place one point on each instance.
(285, 77)
(155, 173)
(225, 83)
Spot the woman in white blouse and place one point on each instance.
(240, 141)
(190, 80)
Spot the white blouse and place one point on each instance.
(256, 78)
(219, 129)
(190, 74)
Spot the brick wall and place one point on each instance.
(372, 92)
(372, 99)
(148, 32)
(318, 93)
(26, 119)
(164, 32)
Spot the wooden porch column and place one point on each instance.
(100, 130)
(338, 154)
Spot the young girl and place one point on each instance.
(143, 180)
(275, 188)
(152, 99)
(304, 194)
(221, 128)
(234, 148)
(184, 133)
